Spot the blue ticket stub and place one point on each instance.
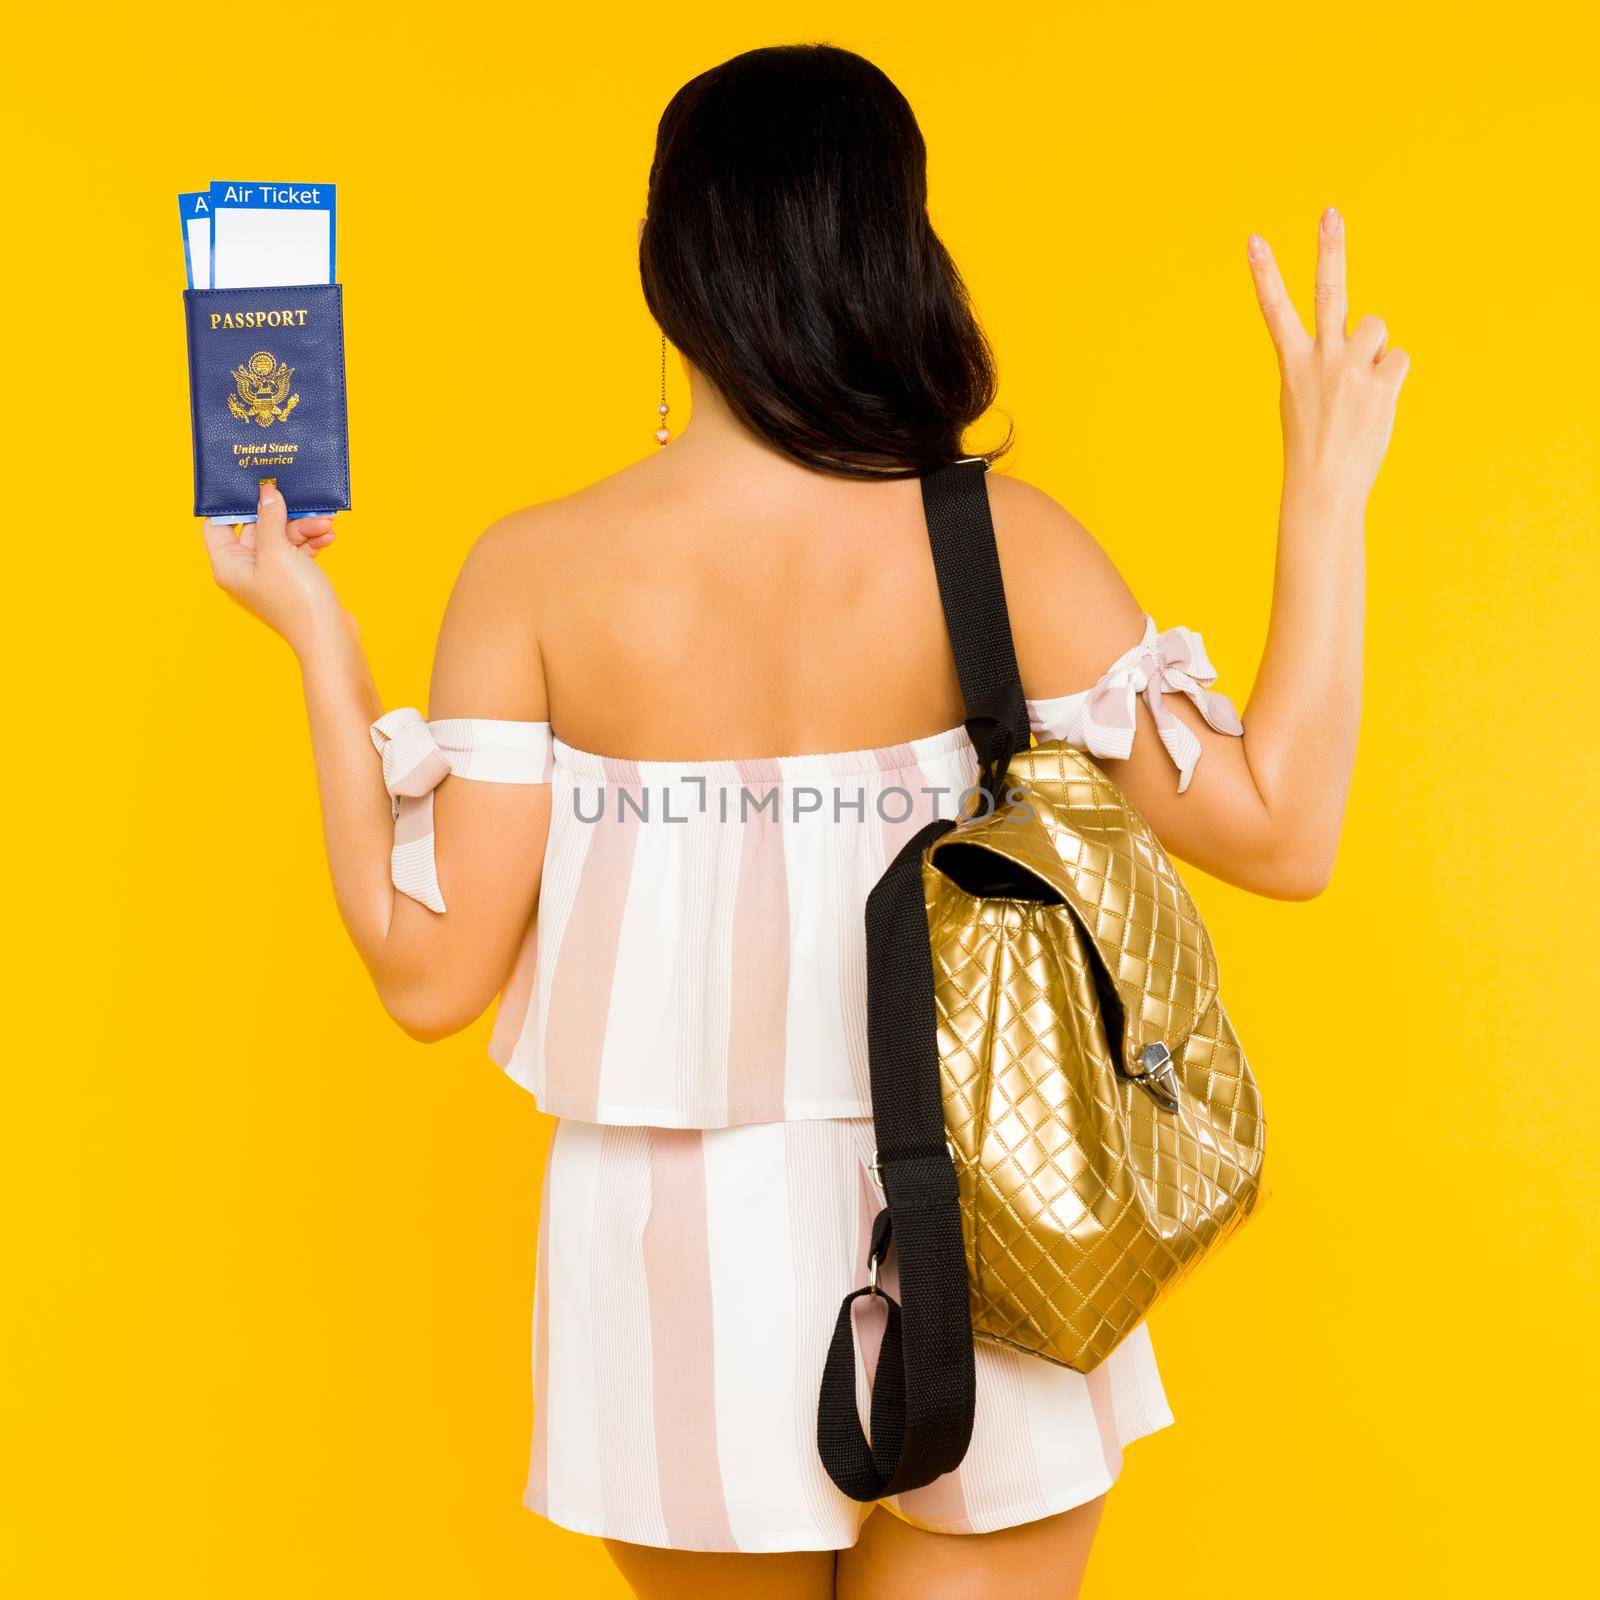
(194, 217)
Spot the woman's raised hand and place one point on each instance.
(270, 568)
(1339, 389)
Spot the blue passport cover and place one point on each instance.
(266, 398)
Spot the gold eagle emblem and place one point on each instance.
(263, 390)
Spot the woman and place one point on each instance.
(616, 665)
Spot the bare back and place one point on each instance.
(709, 604)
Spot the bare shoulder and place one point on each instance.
(500, 578)
(525, 566)
(1036, 533)
(1072, 612)
(488, 661)
(519, 559)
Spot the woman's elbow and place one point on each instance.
(1293, 874)
(1302, 884)
(428, 1013)
(427, 1027)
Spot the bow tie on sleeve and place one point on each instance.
(413, 767)
(419, 755)
(1174, 661)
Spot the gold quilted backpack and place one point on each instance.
(1065, 1121)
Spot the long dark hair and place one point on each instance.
(787, 253)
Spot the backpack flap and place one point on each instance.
(1067, 825)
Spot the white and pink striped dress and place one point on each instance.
(690, 1001)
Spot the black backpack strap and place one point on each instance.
(922, 1395)
(955, 500)
(924, 1388)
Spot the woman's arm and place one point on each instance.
(1263, 811)
(434, 972)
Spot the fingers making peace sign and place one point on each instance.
(1339, 388)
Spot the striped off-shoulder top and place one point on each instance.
(697, 958)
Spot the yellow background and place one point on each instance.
(268, 1265)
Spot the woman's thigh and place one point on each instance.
(702, 1575)
(1036, 1561)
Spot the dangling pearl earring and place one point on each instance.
(662, 435)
